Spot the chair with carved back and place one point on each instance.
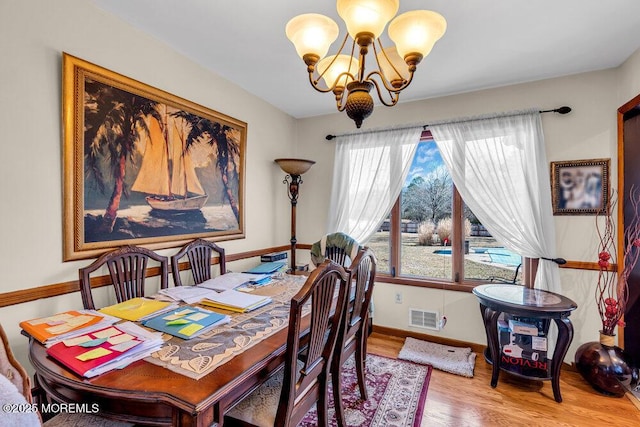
(127, 269)
(362, 273)
(199, 252)
(338, 247)
(337, 255)
(286, 397)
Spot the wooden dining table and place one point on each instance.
(149, 394)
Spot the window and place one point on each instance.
(432, 237)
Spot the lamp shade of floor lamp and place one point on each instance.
(294, 168)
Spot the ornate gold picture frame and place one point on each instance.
(144, 167)
(580, 187)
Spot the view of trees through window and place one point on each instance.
(427, 221)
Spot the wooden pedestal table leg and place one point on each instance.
(565, 336)
(490, 318)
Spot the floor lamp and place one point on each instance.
(293, 168)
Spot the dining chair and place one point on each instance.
(15, 388)
(127, 268)
(199, 253)
(338, 247)
(285, 398)
(337, 255)
(354, 339)
(11, 369)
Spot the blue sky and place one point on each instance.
(426, 160)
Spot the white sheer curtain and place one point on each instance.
(368, 173)
(499, 166)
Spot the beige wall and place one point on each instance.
(589, 131)
(33, 35)
(629, 79)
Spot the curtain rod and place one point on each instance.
(559, 110)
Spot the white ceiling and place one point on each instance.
(488, 43)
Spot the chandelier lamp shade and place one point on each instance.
(413, 33)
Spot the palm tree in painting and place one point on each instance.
(114, 121)
(226, 146)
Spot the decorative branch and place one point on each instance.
(612, 290)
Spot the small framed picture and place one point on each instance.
(580, 187)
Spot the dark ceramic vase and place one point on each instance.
(605, 368)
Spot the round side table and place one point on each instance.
(537, 304)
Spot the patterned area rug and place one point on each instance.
(455, 360)
(397, 394)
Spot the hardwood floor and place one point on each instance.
(457, 401)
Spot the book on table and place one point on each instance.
(52, 329)
(186, 322)
(136, 309)
(233, 300)
(102, 350)
(274, 256)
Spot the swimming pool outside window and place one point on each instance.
(431, 235)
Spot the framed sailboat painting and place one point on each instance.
(144, 167)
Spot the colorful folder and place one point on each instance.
(267, 267)
(86, 353)
(186, 322)
(135, 308)
(46, 328)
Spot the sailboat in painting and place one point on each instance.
(167, 173)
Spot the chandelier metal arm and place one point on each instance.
(314, 84)
(387, 85)
(341, 101)
(375, 50)
(391, 87)
(394, 95)
(344, 42)
(362, 59)
(334, 88)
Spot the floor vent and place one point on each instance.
(424, 319)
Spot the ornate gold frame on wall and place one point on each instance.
(117, 130)
(580, 187)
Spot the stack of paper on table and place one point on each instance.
(188, 294)
(103, 350)
(230, 281)
(236, 301)
(52, 329)
(137, 308)
(186, 322)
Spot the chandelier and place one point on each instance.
(414, 34)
